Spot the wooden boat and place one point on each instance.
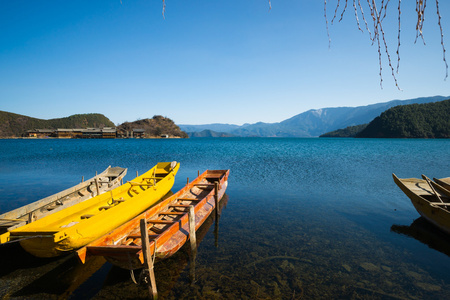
(431, 200)
(103, 182)
(168, 223)
(80, 224)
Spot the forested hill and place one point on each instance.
(15, 125)
(154, 127)
(429, 120)
(350, 131)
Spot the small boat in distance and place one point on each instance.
(80, 224)
(431, 200)
(103, 182)
(167, 221)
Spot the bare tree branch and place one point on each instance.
(377, 36)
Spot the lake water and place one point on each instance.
(303, 219)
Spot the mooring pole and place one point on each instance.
(193, 241)
(148, 261)
(192, 236)
(216, 226)
(216, 197)
(82, 178)
(216, 233)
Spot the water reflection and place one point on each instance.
(426, 233)
(168, 272)
(25, 276)
(62, 280)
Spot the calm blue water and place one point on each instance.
(305, 218)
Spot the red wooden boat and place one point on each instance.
(168, 227)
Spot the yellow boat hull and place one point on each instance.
(78, 225)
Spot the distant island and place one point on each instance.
(430, 120)
(86, 126)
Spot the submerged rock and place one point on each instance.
(369, 267)
(347, 268)
(428, 286)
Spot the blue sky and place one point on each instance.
(207, 61)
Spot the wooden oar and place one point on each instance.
(432, 188)
(444, 190)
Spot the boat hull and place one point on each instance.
(122, 246)
(103, 182)
(418, 192)
(73, 228)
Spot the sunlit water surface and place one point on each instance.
(303, 219)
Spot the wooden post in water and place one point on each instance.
(216, 197)
(193, 241)
(216, 226)
(148, 262)
(216, 233)
(137, 174)
(187, 181)
(192, 236)
(82, 178)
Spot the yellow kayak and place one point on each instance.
(80, 224)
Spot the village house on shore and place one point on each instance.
(88, 133)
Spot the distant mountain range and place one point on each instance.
(311, 123)
(209, 133)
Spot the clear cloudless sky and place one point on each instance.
(207, 61)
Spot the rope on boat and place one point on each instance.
(131, 269)
(133, 278)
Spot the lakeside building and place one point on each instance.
(137, 133)
(71, 133)
(40, 133)
(89, 133)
